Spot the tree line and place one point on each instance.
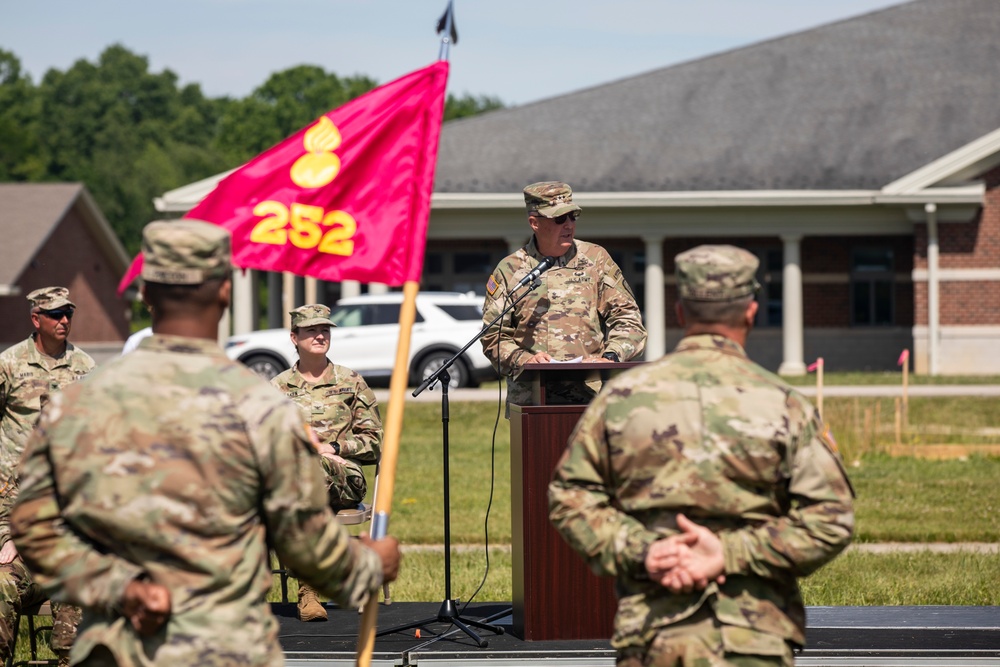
(130, 134)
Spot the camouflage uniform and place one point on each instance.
(583, 307)
(342, 411)
(27, 378)
(705, 432)
(175, 464)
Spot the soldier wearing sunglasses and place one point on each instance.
(29, 373)
(583, 308)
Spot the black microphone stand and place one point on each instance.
(448, 612)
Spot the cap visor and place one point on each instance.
(558, 209)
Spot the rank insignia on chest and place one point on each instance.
(492, 286)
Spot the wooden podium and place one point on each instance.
(555, 595)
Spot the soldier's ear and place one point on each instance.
(225, 293)
(750, 316)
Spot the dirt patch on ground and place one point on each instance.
(939, 452)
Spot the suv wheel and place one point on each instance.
(264, 365)
(431, 362)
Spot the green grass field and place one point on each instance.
(899, 499)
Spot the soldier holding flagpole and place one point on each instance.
(202, 467)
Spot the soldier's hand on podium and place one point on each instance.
(539, 358)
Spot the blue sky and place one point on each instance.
(518, 50)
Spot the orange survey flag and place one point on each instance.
(346, 198)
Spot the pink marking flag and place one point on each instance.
(346, 198)
(903, 358)
(814, 365)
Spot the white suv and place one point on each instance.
(367, 333)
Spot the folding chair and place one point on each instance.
(363, 514)
(347, 517)
(34, 631)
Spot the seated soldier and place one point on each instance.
(343, 414)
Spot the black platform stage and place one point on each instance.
(837, 636)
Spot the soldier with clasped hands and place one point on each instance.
(706, 486)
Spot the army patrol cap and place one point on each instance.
(549, 198)
(50, 298)
(716, 273)
(184, 252)
(307, 316)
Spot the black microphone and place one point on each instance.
(532, 276)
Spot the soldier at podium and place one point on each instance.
(583, 308)
(706, 486)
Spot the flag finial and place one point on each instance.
(446, 25)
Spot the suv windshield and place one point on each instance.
(367, 314)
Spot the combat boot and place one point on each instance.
(310, 608)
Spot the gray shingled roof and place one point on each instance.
(853, 104)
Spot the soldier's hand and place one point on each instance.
(388, 550)
(597, 360)
(687, 561)
(8, 553)
(539, 358)
(147, 606)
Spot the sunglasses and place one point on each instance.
(57, 314)
(561, 220)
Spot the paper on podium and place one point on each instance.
(574, 360)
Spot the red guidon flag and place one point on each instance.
(346, 198)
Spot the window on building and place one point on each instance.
(770, 275)
(872, 286)
(460, 269)
(633, 265)
(474, 262)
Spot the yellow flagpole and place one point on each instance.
(392, 432)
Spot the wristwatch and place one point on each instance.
(613, 356)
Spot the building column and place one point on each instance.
(377, 288)
(791, 308)
(287, 298)
(274, 300)
(255, 278)
(350, 288)
(933, 292)
(242, 303)
(224, 328)
(310, 290)
(655, 302)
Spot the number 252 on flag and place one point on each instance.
(303, 226)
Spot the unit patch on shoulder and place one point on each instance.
(492, 286)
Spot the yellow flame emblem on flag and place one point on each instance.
(319, 166)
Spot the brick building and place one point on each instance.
(859, 160)
(54, 234)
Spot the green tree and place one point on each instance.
(288, 101)
(469, 105)
(130, 134)
(127, 133)
(19, 158)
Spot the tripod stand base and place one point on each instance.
(448, 613)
